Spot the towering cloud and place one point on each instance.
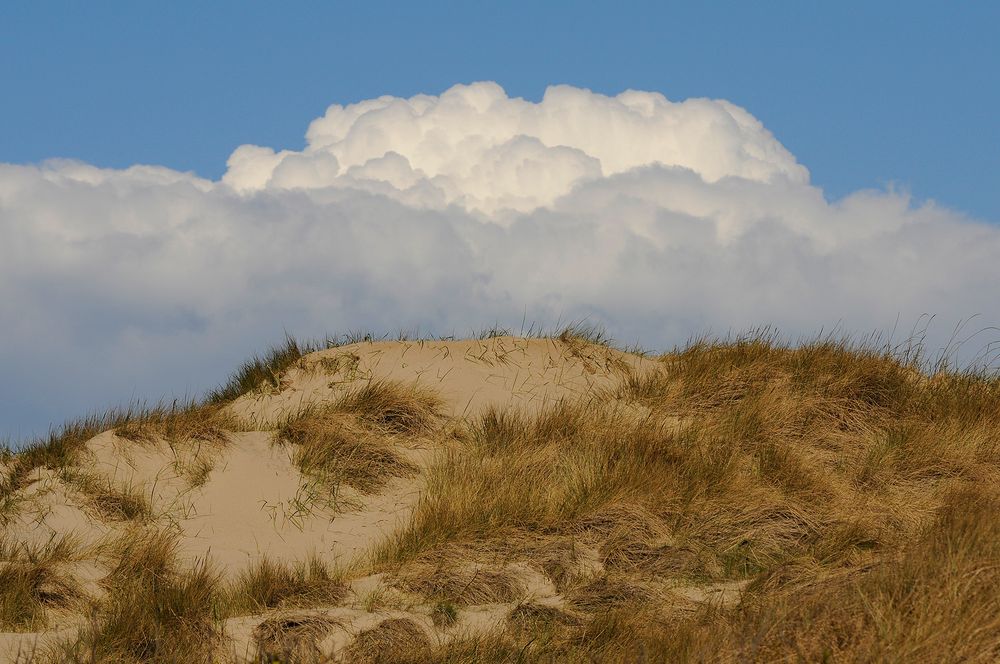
(657, 219)
(476, 147)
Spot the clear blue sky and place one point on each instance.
(863, 93)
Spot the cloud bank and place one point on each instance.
(657, 219)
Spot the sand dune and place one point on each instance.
(468, 375)
(400, 499)
(252, 502)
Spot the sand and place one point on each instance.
(250, 500)
(469, 375)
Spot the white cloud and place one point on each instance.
(483, 150)
(658, 219)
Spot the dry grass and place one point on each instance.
(393, 408)
(534, 618)
(152, 612)
(854, 492)
(196, 470)
(391, 641)
(852, 495)
(268, 584)
(10, 501)
(292, 639)
(263, 373)
(117, 503)
(605, 593)
(353, 441)
(33, 580)
(61, 447)
(591, 346)
(451, 576)
(554, 473)
(445, 614)
(335, 450)
(935, 601)
(185, 423)
(179, 422)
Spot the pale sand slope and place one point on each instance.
(239, 500)
(470, 375)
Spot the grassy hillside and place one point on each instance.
(735, 501)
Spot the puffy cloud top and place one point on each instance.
(478, 148)
(657, 219)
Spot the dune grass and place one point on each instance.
(152, 611)
(353, 441)
(392, 641)
(263, 372)
(848, 487)
(292, 639)
(392, 407)
(268, 584)
(156, 611)
(451, 576)
(113, 502)
(848, 493)
(177, 423)
(33, 580)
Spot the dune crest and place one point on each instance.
(510, 499)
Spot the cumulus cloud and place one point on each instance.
(658, 219)
(478, 148)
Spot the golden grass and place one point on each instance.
(183, 423)
(445, 614)
(289, 639)
(936, 601)
(391, 641)
(602, 594)
(113, 502)
(850, 496)
(10, 501)
(353, 441)
(534, 618)
(269, 584)
(33, 580)
(392, 407)
(191, 423)
(152, 611)
(850, 490)
(335, 451)
(451, 575)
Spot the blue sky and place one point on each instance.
(863, 93)
(812, 166)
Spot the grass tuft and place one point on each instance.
(352, 442)
(445, 614)
(537, 618)
(292, 639)
(333, 450)
(393, 640)
(605, 593)
(392, 407)
(152, 612)
(61, 448)
(33, 579)
(263, 372)
(118, 503)
(447, 576)
(269, 584)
